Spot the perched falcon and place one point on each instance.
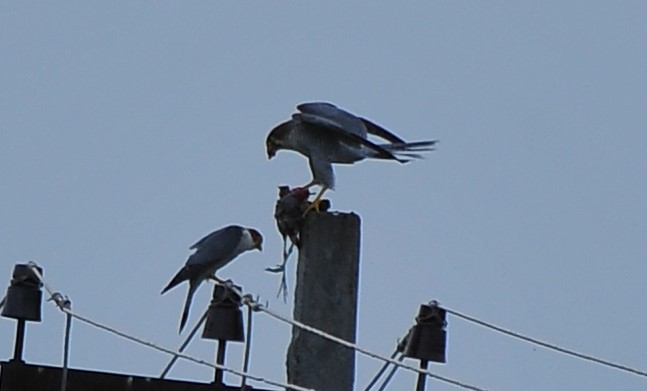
(213, 252)
(326, 134)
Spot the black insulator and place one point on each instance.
(24, 297)
(224, 317)
(427, 340)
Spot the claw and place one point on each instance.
(315, 203)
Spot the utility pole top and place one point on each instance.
(325, 297)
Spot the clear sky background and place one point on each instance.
(128, 130)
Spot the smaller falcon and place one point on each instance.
(213, 252)
(326, 134)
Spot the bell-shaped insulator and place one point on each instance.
(427, 340)
(224, 317)
(24, 297)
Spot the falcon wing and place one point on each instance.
(330, 115)
(219, 243)
(378, 131)
(328, 128)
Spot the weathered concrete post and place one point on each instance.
(325, 297)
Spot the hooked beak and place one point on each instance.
(271, 149)
(259, 247)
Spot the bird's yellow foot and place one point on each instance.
(313, 205)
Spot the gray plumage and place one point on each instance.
(326, 134)
(213, 252)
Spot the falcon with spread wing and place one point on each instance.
(326, 134)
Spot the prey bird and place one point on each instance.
(213, 252)
(288, 213)
(326, 134)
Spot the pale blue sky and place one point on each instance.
(131, 129)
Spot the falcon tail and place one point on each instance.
(187, 306)
(407, 151)
(179, 277)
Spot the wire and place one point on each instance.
(366, 351)
(546, 344)
(187, 357)
(66, 351)
(248, 347)
(55, 295)
(189, 338)
(248, 300)
(255, 305)
(379, 373)
(186, 343)
(388, 377)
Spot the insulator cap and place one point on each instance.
(24, 297)
(427, 340)
(225, 318)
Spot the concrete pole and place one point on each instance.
(325, 297)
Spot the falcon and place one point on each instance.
(213, 252)
(326, 134)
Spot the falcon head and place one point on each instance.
(257, 239)
(277, 138)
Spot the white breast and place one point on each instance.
(246, 242)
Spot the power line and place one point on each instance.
(255, 305)
(184, 344)
(379, 373)
(368, 352)
(66, 351)
(55, 297)
(546, 344)
(248, 342)
(248, 300)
